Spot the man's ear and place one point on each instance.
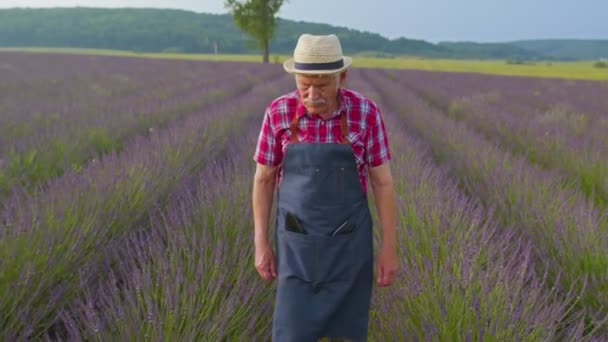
(342, 77)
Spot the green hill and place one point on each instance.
(169, 30)
(574, 49)
(493, 50)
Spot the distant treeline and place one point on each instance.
(168, 30)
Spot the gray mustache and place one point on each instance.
(318, 102)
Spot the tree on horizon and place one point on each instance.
(256, 18)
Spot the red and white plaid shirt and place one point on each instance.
(366, 131)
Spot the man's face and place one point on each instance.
(319, 94)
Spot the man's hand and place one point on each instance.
(264, 261)
(386, 265)
(384, 194)
(263, 190)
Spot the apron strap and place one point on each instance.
(293, 128)
(344, 128)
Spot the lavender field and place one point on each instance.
(125, 189)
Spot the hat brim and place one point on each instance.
(289, 66)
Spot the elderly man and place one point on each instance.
(319, 143)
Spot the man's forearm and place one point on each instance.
(384, 197)
(263, 191)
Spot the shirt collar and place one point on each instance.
(343, 105)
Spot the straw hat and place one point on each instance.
(317, 55)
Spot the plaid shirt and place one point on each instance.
(367, 134)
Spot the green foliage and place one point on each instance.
(601, 64)
(102, 141)
(257, 18)
(33, 165)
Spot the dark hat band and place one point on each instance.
(319, 66)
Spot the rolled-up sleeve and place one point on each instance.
(378, 151)
(268, 148)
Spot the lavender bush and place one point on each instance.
(189, 275)
(62, 228)
(567, 233)
(545, 120)
(533, 92)
(61, 122)
(462, 276)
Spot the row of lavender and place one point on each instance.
(189, 274)
(55, 241)
(50, 124)
(463, 277)
(567, 233)
(534, 92)
(558, 124)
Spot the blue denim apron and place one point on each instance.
(324, 246)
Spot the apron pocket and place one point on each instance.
(296, 255)
(335, 258)
(316, 259)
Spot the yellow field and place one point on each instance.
(575, 70)
(572, 70)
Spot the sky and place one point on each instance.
(430, 20)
